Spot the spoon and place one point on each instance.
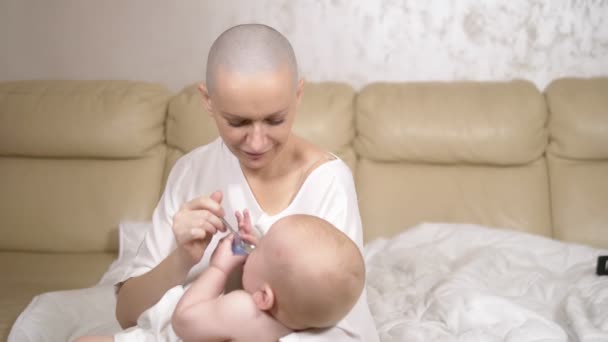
(239, 246)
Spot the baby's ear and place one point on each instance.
(264, 298)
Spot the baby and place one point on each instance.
(304, 273)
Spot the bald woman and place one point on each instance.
(252, 90)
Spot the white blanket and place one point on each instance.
(434, 282)
(441, 282)
(66, 315)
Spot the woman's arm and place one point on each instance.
(192, 229)
(182, 220)
(139, 293)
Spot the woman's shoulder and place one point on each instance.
(336, 169)
(328, 163)
(200, 160)
(214, 147)
(203, 155)
(330, 176)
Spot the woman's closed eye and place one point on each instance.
(274, 119)
(275, 122)
(238, 123)
(241, 123)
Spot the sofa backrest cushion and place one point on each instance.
(578, 159)
(465, 152)
(77, 158)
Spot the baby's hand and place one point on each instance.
(223, 257)
(248, 233)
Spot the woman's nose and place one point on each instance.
(257, 138)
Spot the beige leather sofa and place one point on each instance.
(78, 157)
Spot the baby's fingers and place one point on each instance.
(250, 238)
(239, 219)
(247, 220)
(244, 221)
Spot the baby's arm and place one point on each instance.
(199, 315)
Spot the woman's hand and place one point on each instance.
(195, 224)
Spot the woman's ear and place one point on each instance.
(299, 90)
(202, 88)
(264, 298)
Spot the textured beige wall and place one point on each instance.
(356, 41)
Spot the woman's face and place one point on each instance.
(254, 113)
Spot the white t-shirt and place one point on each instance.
(328, 192)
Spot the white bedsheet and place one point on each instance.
(434, 282)
(66, 315)
(445, 282)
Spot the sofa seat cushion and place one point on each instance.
(25, 275)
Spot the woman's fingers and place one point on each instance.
(217, 196)
(185, 220)
(211, 203)
(197, 233)
(189, 235)
(195, 223)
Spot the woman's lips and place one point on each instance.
(254, 155)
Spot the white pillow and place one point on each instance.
(130, 237)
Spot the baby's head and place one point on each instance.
(305, 272)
